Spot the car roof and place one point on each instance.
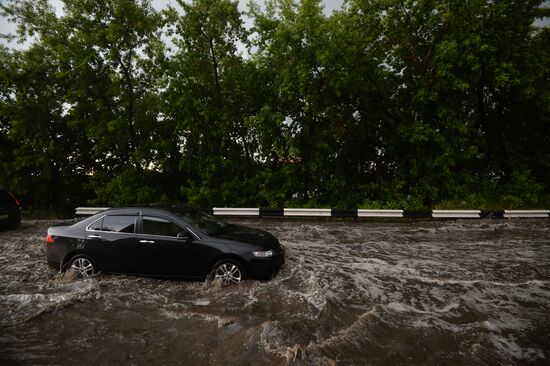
(154, 207)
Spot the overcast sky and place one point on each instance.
(6, 27)
(330, 5)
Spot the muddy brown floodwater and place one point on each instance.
(350, 293)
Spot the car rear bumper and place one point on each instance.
(10, 217)
(54, 265)
(54, 256)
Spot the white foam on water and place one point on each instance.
(219, 320)
(23, 307)
(201, 302)
(273, 339)
(508, 345)
(401, 307)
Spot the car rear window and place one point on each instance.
(159, 226)
(120, 224)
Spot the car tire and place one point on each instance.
(229, 271)
(83, 265)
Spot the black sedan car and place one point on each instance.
(168, 242)
(10, 209)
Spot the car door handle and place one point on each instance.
(147, 242)
(94, 236)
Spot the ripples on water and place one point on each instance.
(351, 293)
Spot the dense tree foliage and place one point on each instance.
(408, 103)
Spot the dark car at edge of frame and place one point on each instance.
(10, 209)
(167, 242)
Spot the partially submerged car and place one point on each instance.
(10, 209)
(167, 242)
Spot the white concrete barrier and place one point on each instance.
(456, 214)
(321, 212)
(526, 213)
(89, 210)
(379, 213)
(225, 211)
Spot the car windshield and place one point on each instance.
(205, 222)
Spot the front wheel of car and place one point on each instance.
(228, 271)
(83, 266)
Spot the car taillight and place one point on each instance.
(14, 198)
(50, 240)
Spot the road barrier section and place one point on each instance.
(525, 213)
(336, 212)
(379, 213)
(459, 214)
(315, 212)
(225, 211)
(86, 211)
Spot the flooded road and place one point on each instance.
(350, 293)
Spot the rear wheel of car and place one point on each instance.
(228, 271)
(83, 265)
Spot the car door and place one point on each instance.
(161, 251)
(113, 242)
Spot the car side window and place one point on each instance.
(96, 225)
(159, 226)
(119, 224)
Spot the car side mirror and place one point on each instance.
(184, 235)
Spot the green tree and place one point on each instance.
(385, 103)
(42, 153)
(112, 53)
(464, 74)
(208, 102)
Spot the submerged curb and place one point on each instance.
(335, 212)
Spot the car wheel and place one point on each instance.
(82, 265)
(228, 271)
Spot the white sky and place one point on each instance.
(6, 27)
(330, 5)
